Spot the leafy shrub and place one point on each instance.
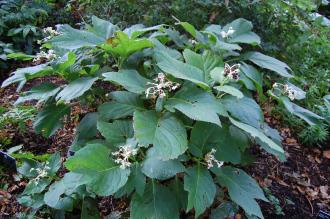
(181, 115)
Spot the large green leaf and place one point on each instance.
(201, 189)
(230, 90)
(245, 109)
(205, 62)
(103, 28)
(136, 182)
(117, 132)
(94, 162)
(123, 46)
(224, 210)
(166, 133)
(242, 189)
(21, 75)
(71, 38)
(269, 63)
(269, 145)
(49, 120)
(123, 104)
(75, 89)
(195, 33)
(40, 92)
(131, 80)
(197, 104)
(243, 33)
(89, 209)
(158, 169)
(180, 70)
(310, 117)
(227, 140)
(156, 203)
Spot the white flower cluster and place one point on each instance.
(50, 55)
(286, 90)
(210, 159)
(158, 88)
(42, 172)
(232, 72)
(123, 154)
(227, 34)
(50, 32)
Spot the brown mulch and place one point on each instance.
(301, 184)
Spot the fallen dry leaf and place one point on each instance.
(326, 154)
(324, 192)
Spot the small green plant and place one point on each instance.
(17, 116)
(274, 201)
(180, 116)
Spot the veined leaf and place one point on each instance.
(103, 28)
(197, 104)
(75, 89)
(156, 203)
(269, 145)
(181, 70)
(117, 132)
(201, 189)
(242, 189)
(166, 133)
(49, 120)
(123, 104)
(136, 182)
(131, 80)
(269, 63)
(94, 162)
(230, 90)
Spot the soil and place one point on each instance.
(299, 184)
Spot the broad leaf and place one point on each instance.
(41, 92)
(224, 210)
(94, 162)
(244, 109)
(197, 104)
(123, 104)
(230, 90)
(242, 189)
(103, 28)
(201, 189)
(75, 89)
(158, 169)
(136, 182)
(269, 63)
(117, 132)
(166, 133)
(131, 80)
(180, 70)
(156, 203)
(49, 120)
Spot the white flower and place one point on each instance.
(210, 159)
(50, 55)
(50, 32)
(227, 34)
(286, 90)
(160, 86)
(232, 72)
(42, 173)
(123, 154)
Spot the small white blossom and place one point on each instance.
(232, 72)
(286, 90)
(160, 86)
(42, 173)
(227, 34)
(50, 55)
(50, 32)
(123, 154)
(210, 159)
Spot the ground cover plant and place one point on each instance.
(173, 129)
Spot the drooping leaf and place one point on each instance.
(166, 133)
(156, 202)
(197, 104)
(131, 80)
(230, 90)
(245, 109)
(180, 70)
(75, 89)
(158, 169)
(49, 120)
(40, 92)
(117, 132)
(103, 28)
(123, 104)
(268, 62)
(270, 146)
(242, 188)
(94, 162)
(201, 189)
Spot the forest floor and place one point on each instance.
(299, 188)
